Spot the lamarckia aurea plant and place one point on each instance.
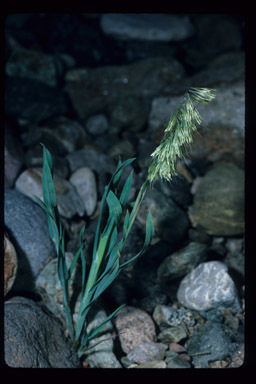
(105, 263)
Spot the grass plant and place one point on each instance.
(105, 259)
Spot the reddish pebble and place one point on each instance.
(175, 347)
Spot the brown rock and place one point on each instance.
(10, 264)
(134, 327)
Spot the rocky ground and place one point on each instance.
(92, 87)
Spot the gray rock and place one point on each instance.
(85, 183)
(152, 27)
(69, 202)
(171, 223)
(100, 354)
(100, 89)
(208, 286)
(134, 327)
(97, 124)
(49, 287)
(32, 64)
(178, 362)
(221, 136)
(147, 351)
(34, 338)
(182, 262)
(162, 314)
(28, 229)
(13, 156)
(219, 201)
(34, 100)
(172, 334)
(91, 158)
(209, 342)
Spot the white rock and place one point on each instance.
(208, 286)
(85, 183)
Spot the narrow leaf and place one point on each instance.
(126, 190)
(97, 330)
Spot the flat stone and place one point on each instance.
(147, 351)
(172, 334)
(219, 201)
(134, 327)
(69, 202)
(34, 338)
(85, 183)
(27, 226)
(99, 90)
(182, 262)
(148, 27)
(208, 286)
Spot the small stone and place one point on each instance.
(147, 351)
(162, 314)
(152, 364)
(182, 262)
(178, 362)
(49, 287)
(97, 124)
(100, 354)
(69, 202)
(34, 338)
(124, 148)
(147, 27)
(175, 347)
(10, 265)
(172, 334)
(84, 181)
(218, 364)
(134, 327)
(208, 286)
